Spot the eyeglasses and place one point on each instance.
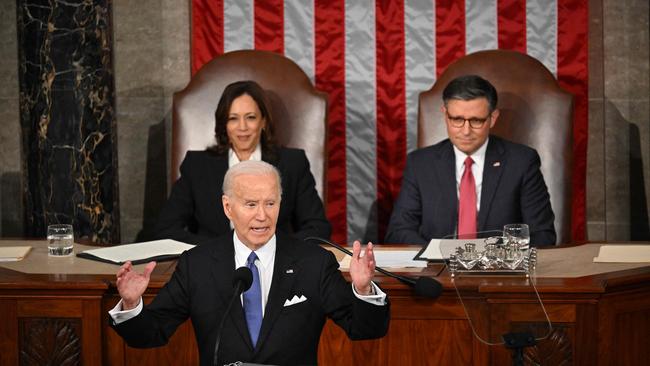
(475, 123)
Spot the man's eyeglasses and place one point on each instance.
(459, 122)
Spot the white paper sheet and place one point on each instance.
(432, 251)
(13, 254)
(623, 254)
(137, 252)
(391, 259)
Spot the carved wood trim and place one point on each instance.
(48, 341)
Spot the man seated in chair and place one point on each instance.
(295, 286)
(472, 181)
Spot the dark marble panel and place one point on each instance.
(68, 118)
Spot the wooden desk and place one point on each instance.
(601, 319)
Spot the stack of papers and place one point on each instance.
(623, 254)
(398, 259)
(13, 254)
(432, 252)
(157, 250)
(390, 259)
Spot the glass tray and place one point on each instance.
(495, 260)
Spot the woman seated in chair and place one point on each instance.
(244, 130)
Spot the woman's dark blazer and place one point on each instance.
(194, 213)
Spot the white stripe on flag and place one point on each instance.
(238, 28)
(420, 55)
(481, 31)
(541, 32)
(360, 116)
(299, 34)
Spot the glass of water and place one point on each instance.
(60, 239)
(518, 235)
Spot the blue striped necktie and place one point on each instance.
(253, 301)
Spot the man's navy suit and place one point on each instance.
(513, 191)
(194, 212)
(201, 287)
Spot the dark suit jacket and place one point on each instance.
(194, 212)
(201, 287)
(513, 191)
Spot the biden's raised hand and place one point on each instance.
(131, 284)
(362, 269)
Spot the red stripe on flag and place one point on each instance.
(269, 25)
(329, 29)
(572, 74)
(512, 25)
(450, 33)
(207, 32)
(391, 108)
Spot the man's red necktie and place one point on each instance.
(467, 203)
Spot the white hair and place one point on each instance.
(250, 167)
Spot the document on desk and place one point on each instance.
(431, 252)
(390, 259)
(14, 254)
(137, 253)
(623, 254)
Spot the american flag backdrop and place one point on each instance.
(374, 57)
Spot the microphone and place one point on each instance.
(423, 286)
(241, 282)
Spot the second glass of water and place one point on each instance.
(517, 234)
(60, 239)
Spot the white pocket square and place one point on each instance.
(295, 300)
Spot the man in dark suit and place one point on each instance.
(280, 318)
(504, 184)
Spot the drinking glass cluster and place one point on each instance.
(497, 254)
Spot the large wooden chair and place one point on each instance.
(298, 109)
(535, 111)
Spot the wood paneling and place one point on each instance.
(50, 308)
(8, 332)
(624, 336)
(597, 320)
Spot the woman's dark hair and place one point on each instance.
(232, 92)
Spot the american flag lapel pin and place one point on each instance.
(496, 163)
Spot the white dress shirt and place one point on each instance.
(233, 159)
(477, 170)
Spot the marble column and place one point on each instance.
(67, 117)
